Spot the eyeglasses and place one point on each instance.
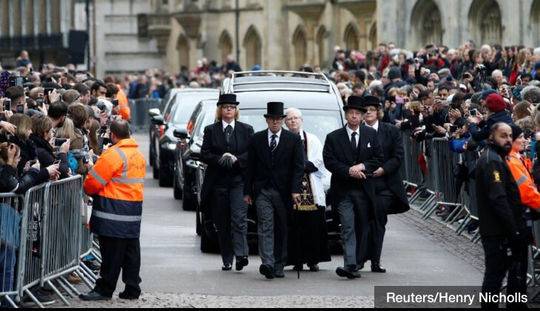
(371, 109)
(228, 107)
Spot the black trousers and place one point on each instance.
(377, 227)
(119, 254)
(499, 261)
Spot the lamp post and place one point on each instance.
(237, 29)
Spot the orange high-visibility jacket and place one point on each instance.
(527, 188)
(123, 105)
(116, 183)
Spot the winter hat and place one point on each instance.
(394, 73)
(516, 131)
(495, 103)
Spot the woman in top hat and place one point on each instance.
(224, 150)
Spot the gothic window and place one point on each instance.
(253, 48)
(300, 47)
(351, 37)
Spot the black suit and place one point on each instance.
(223, 186)
(391, 196)
(271, 179)
(353, 198)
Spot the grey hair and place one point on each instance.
(531, 94)
(294, 110)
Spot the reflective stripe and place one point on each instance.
(521, 180)
(115, 217)
(126, 180)
(124, 161)
(98, 178)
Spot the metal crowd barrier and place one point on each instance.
(140, 120)
(439, 188)
(45, 230)
(10, 236)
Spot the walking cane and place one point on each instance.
(295, 221)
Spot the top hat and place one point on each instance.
(227, 99)
(354, 102)
(274, 109)
(371, 101)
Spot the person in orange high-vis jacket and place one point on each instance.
(123, 104)
(528, 190)
(116, 185)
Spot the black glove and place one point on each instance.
(310, 167)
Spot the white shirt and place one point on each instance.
(224, 124)
(350, 131)
(374, 126)
(270, 137)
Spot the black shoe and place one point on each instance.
(93, 296)
(377, 268)
(347, 272)
(241, 262)
(267, 271)
(298, 267)
(358, 268)
(41, 295)
(128, 296)
(226, 267)
(278, 273)
(314, 268)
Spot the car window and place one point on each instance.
(168, 108)
(206, 118)
(317, 122)
(186, 104)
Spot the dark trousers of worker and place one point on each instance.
(119, 254)
(272, 215)
(229, 213)
(377, 228)
(353, 213)
(499, 262)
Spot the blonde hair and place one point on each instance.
(23, 124)
(219, 114)
(67, 130)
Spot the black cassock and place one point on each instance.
(308, 237)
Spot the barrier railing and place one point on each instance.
(140, 120)
(10, 236)
(45, 229)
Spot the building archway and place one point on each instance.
(426, 23)
(485, 22)
(225, 45)
(535, 22)
(350, 37)
(253, 48)
(299, 42)
(373, 36)
(322, 47)
(182, 46)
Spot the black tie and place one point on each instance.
(273, 143)
(228, 132)
(353, 141)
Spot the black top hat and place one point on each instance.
(274, 109)
(227, 99)
(370, 100)
(354, 102)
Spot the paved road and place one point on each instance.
(172, 264)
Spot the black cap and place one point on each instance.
(370, 100)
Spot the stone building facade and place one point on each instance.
(132, 35)
(283, 34)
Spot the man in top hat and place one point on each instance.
(224, 150)
(387, 180)
(352, 154)
(273, 184)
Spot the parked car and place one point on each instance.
(182, 107)
(321, 106)
(185, 165)
(156, 131)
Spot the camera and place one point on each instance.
(115, 102)
(101, 106)
(59, 141)
(7, 104)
